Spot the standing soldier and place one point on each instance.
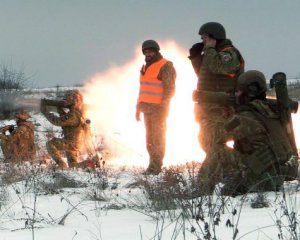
(157, 86)
(71, 120)
(263, 155)
(19, 145)
(217, 64)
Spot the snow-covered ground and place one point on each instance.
(113, 205)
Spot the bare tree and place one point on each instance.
(12, 82)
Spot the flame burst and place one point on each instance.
(112, 95)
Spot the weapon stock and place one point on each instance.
(285, 106)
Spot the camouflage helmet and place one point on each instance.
(150, 44)
(74, 97)
(216, 30)
(252, 78)
(22, 115)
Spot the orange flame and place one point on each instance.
(296, 126)
(112, 95)
(111, 99)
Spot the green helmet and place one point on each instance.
(216, 30)
(74, 97)
(22, 115)
(150, 44)
(252, 82)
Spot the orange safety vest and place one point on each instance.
(151, 88)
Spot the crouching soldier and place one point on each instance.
(71, 120)
(18, 145)
(263, 156)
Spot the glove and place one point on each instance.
(195, 96)
(196, 50)
(137, 114)
(292, 162)
(11, 128)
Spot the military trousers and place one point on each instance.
(155, 124)
(57, 146)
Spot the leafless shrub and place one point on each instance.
(4, 195)
(12, 82)
(287, 212)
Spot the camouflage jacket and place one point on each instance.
(259, 135)
(19, 145)
(167, 75)
(71, 123)
(220, 67)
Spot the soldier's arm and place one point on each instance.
(3, 137)
(220, 62)
(15, 137)
(244, 125)
(69, 119)
(19, 133)
(167, 75)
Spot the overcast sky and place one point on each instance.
(67, 41)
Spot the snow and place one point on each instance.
(122, 209)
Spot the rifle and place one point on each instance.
(285, 106)
(9, 128)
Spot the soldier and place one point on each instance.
(19, 145)
(263, 156)
(72, 121)
(157, 86)
(217, 64)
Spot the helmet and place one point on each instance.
(22, 115)
(150, 44)
(252, 82)
(216, 30)
(74, 97)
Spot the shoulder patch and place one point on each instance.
(226, 57)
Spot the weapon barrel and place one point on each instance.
(219, 98)
(55, 103)
(282, 96)
(285, 106)
(29, 103)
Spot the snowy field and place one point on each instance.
(120, 203)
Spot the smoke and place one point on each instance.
(112, 95)
(12, 101)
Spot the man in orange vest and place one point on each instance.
(157, 87)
